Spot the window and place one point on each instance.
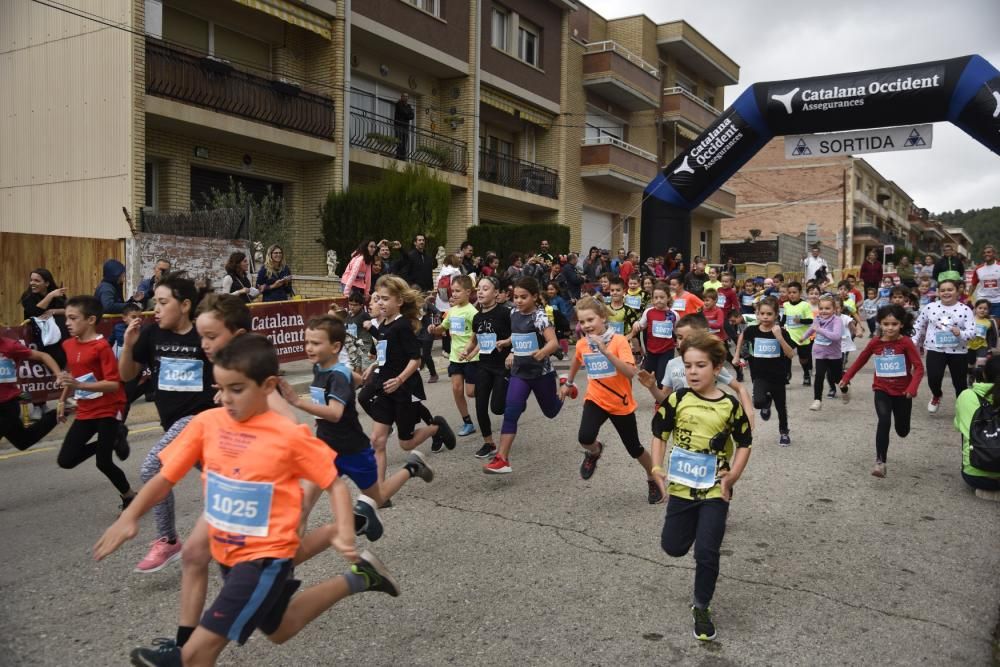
(686, 83)
(857, 215)
(215, 40)
(527, 46)
(703, 244)
(429, 6)
(501, 29)
(152, 186)
(374, 97)
(858, 183)
(500, 146)
(599, 125)
(709, 99)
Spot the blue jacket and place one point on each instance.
(109, 292)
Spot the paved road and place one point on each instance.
(823, 564)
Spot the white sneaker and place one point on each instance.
(933, 404)
(846, 396)
(816, 406)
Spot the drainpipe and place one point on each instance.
(346, 131)
(474, 148)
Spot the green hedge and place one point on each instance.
(525, 239)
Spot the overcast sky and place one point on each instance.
(785, 39)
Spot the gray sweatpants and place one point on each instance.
(163, 513)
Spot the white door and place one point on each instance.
(596, 230)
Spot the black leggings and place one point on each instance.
(890, 410)
(806, 357)
(956, 365)
(703, 524)
(77, 448)
(12, 428)
(767, 390)
(491, 396)
(594, 417)
(830, 369)
(427, 355)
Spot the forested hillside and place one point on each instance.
(983, 224)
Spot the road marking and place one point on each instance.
(26, 452)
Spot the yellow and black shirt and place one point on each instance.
(693, 421)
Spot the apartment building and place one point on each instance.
(530, 110)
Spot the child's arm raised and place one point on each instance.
(48, 361)
(331, 412)
(127, 525)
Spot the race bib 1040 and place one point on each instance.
(181, 374)
(692, 469)
(236, 506)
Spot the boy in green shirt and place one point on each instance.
(798, 317)
(461, 367)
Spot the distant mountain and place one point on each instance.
(983, 224)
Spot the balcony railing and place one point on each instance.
(215, 84)
(615, 141)
(379, 134)
(677, 101)
(520, 174)
(871, 231)
(608, 45)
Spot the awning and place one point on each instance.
(515, 107)
(686, 133)
(293, 14)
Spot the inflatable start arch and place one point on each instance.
(965, 91)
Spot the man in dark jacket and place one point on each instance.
(572, 276)
(109, 292)
(416, 267)
(402, 118)
(950, 266)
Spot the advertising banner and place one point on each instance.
(880, 140)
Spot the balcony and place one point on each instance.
(681, 106)
(378, 134)
(720, 204)
(518, 174)
(618, 75)
(216, 85)
(616, 164)
(872, 235)
(687, 45)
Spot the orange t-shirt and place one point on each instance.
(686, 305)
(606, 387)
(252, 469)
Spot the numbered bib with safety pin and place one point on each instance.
(598, 366)
(82, 395)
(766, 348)
(634, 302)
(318, 395)
(457, 325)
(946, 339)
(524, 344)
(692, 469)
(380, 351)
(890, 365)
(8, 371)
(352, 330)
(487, 342)
(663, 329)
(679, 304)
(238, 507)
(822, 340)
(181, 374)
(617, 327)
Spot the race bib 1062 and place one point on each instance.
(181, 374)
(238, 507)
(890, 365)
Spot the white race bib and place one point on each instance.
(822, 340)
(692, 469)
(617, 327)
(82, 395)
(663, 329)
(457, 325)
(633, 302)
(679, 304)
(524, 344)
(380, 351)
(8, 371)
(236, 506)
(890, 365)
(766, 348)
(181, 374)
(598, 366)
(318, 395)
(487, 342)
(352, 330)
(946, 339)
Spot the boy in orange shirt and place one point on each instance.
(253, 462)
(610, 366)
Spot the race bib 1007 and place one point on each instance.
(663, 329)
(236, 506)
(692, 469)
(181, 374)
(524, 344)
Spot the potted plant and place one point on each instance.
(383, 143)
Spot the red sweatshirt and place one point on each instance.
(716, 319)
(894, 379)
(95, 361)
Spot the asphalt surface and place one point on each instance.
(822, 563)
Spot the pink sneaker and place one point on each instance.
(161, 554)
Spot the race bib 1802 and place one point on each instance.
(181, 374)
(236, 506)
(692, 469)
(524, 344)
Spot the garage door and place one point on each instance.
(596, 230)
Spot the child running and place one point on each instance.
(711, 447)
(533, 341)
(768, 346)
(658, 321)
(462, 366)
(826, 349)
(171, 348)
(607, 357)
(898, 371)
(798, 317)
(944, 328)
(491, 326)
(983, 343)
(253, 520)
(92, 374)
(13, 353)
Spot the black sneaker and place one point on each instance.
(165, 654)
(122, 450)
(832, 393)
(417, 464)
(807, 380)
(376, 575)
(445, 434)
(367, 522)
(784, 440)
(704, 629)
(654, 495)
(590, 462)
(126, 501)
(486, 451)
(765, 413)
(436, 444)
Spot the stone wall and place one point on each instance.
(200, 257)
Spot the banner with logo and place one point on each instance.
(880, 140)
(283, 322)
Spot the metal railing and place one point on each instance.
(610, 45)
(217, 85)
(615, 141)
(380, 134)
(520, 174)
(220, 223)
(694, 98)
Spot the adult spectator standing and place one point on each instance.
(694, 281)
(592, 268)
(357, 277)
(110, 293)
(543, 252)
(572, 276)
(729, 267)
(275, 278)
(45, 300)
(927, 268)
(515, 267)
(906, 274)
(813, 263)
(950, 266)
(986, 278)
(871, 271)
(237, 279)
(616, 263)
(402, 117)
(144, 293)
(468, 259)
(416, 267)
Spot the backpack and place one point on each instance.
(444, 288)
(984, 437)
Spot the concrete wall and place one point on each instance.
(199, 257)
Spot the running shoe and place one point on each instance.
(784, 440)
(934, 404)
(816, 405)
(807, 380)
(161, 554)
(704, 628)
(467, 429)
(436, 444)
(376, 574)
(654, 495)
(122, 450)
(498, 466)
(419, 467)
(367, 522)
(165, 653)
(432, 379)
(126, 501)
(589, 464)
(486, 451)
(832, 393)
(765, 413)
(845, 395)
(446, 435)
(878, 470)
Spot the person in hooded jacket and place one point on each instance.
(109, 292)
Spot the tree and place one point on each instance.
(263, 218)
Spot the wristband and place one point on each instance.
(567, 383)
(658, 469)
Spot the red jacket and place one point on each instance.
(871, 272)
(894, 386)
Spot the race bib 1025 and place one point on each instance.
(236, 506)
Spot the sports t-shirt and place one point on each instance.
(986, 278)
(798, 317)
(181, 372)
(489, 327)
(898, 368)
(251, 472)
(675, 378)
(617, 319)
(659, 326)
(12, 353)
(336, 383)
(846, 339)
(527, 337)
(606, 387)
(693, 422)
(933, 328)
(395, 346)
(686, 304)
(716, 322)
(458, 323)
(94, 361)
(766, 356)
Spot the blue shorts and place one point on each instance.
(255, 594)
(360, 467)
(995, 309)
(465, 369)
